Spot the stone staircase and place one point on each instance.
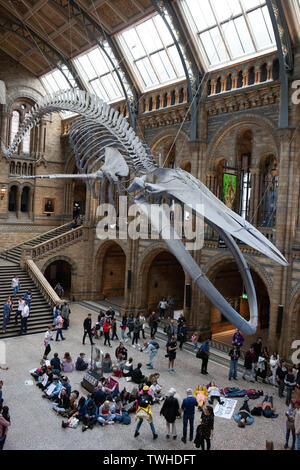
(14, 254)
(40, 312)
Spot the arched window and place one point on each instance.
(14, 127)
(229, 82)
(26, 140)
(12, 168)
(251, 76)
(264, 73)
(240, 80)
(269, 192)
(30, 169)
(218, 87)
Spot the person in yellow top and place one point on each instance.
(144, 402)
(201, 395)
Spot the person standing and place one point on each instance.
(234, 354)
(130, 323)
(24, 318)
(290, 384)
(297, 423)
(59, 290)
(65, 313)
(110, 313)
(188, 407)
(18, 314)
(15, 284)
(47, 340)
(123, 327)
(6, 314)
(136, 331)
(28, 297)
(162, 307)
(290, 426)
(87, 326)
(106, 330)
(171, 329)
(144, 402)
(204, 356)
(143, 324)
(205, 429)
(114, 329)
(281, 372)
(153, 323)
(238, 339)
(170, 411)
(59, 325)
(181, 335)
(4, 425)
(249, 364)
(171, 348)
(170, 303)
(274, 363)
(257, 346)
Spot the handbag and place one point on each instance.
(200, 354)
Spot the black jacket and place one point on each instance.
(170, 409)
(87, 324)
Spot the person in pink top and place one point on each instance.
(67, 363)
(59, 325)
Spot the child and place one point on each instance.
(194, 340)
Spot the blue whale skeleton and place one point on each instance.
(107, 149)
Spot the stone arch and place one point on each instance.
(177, 143)
(99, 265)
(145, 262)
(14, 94)
(65, 271)
(260, 277)
(250, 121)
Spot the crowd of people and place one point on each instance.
(108, 404)
(19, 308)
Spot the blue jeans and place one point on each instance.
(59, 333)
(287, 437)
(152, 355)
(298, 441)
(186, 419)
(139, 424)
(123, 333)
(4, 324)
(233, 369)
(16, 290)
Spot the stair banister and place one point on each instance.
(41, 282)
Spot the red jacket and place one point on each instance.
(106, 327)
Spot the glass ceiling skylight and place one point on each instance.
(229, 30)
(55, 81)
(151, 52)
(97, 73)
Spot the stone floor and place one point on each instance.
(35, 425)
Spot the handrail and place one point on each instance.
(224, 347)
(31, 239)
(41, 282)
(34, 252)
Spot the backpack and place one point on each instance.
(144, 401)
(155, 344)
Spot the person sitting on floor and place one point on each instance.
(90, 416)
(116, 410)
(137, 375)
(67, 363)
(214, 394)
(127, 368)
(107, 364)
(80, 363)
(56, 364)
(121, 353)
(105, 416)
(201, 395)
(155, 391)
(53, 390)
(62, 402)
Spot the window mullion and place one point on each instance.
(220, 31)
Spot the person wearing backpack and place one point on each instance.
(151, 348)
(144, 402)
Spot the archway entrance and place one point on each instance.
(165, 277)
(12, 199)
(60, 271)
(25, 199)
(113, 273)
(229, 283)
